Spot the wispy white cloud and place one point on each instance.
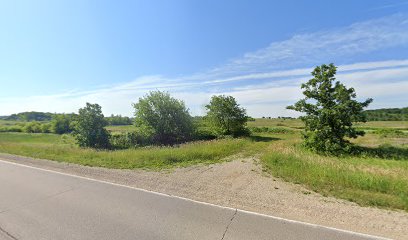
(264, 81)
(323, 46)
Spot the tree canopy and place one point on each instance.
(330, 109)
(89, 127)
(163, 116)
(225, 116)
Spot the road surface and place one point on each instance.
(41, 204)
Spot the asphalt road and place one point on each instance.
(40, 204)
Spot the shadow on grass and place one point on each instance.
(384, 151)
(263, 138)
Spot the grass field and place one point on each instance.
(378, 176)
(62, 148)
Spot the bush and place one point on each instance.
(163, 117)
(14, 128)
(226, 117)
(32, 127)
(46, 128)
(204, 134)
(130, 140)
(62, 123)
(89, 127)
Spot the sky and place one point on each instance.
(57, 55)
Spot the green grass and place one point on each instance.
(62, 149)
(376, 177)
(264, 122)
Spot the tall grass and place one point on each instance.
(366, 179)
(55, 147)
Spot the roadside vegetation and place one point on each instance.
(321, 151)
(329, 109)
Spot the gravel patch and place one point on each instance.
(242, 184)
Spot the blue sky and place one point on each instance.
(57, 55)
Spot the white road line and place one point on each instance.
(195, 201)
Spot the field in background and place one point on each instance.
(378, 176)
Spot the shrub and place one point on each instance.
(164, 117)
(204, 134)
(89, 127)
(226, 117)
(62, 123)
(129, 140)
(13, 128)
(32, 127)
(46, 128)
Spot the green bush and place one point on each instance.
(89, 127)
(130, 140)
(226, 117)
(14, 128)
(203, 134)
(32, 127)
(46, 128)
(62, 123)
(167, 119)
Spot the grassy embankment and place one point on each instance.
(376, 177)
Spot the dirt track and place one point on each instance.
(242, 184)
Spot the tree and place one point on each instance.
(330, 110)
(89, 127)
(62, 123)
(118, 120)
(164, 117)
(225, 116)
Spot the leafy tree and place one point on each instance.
(226, 117)
(89, 127)
(330, 110)
(164, 117)
(62, 123)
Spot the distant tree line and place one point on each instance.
(29, 116)
(387, 114)
(45, 117)
(116, 120)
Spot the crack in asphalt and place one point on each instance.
(7, 233)
(226, 229)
